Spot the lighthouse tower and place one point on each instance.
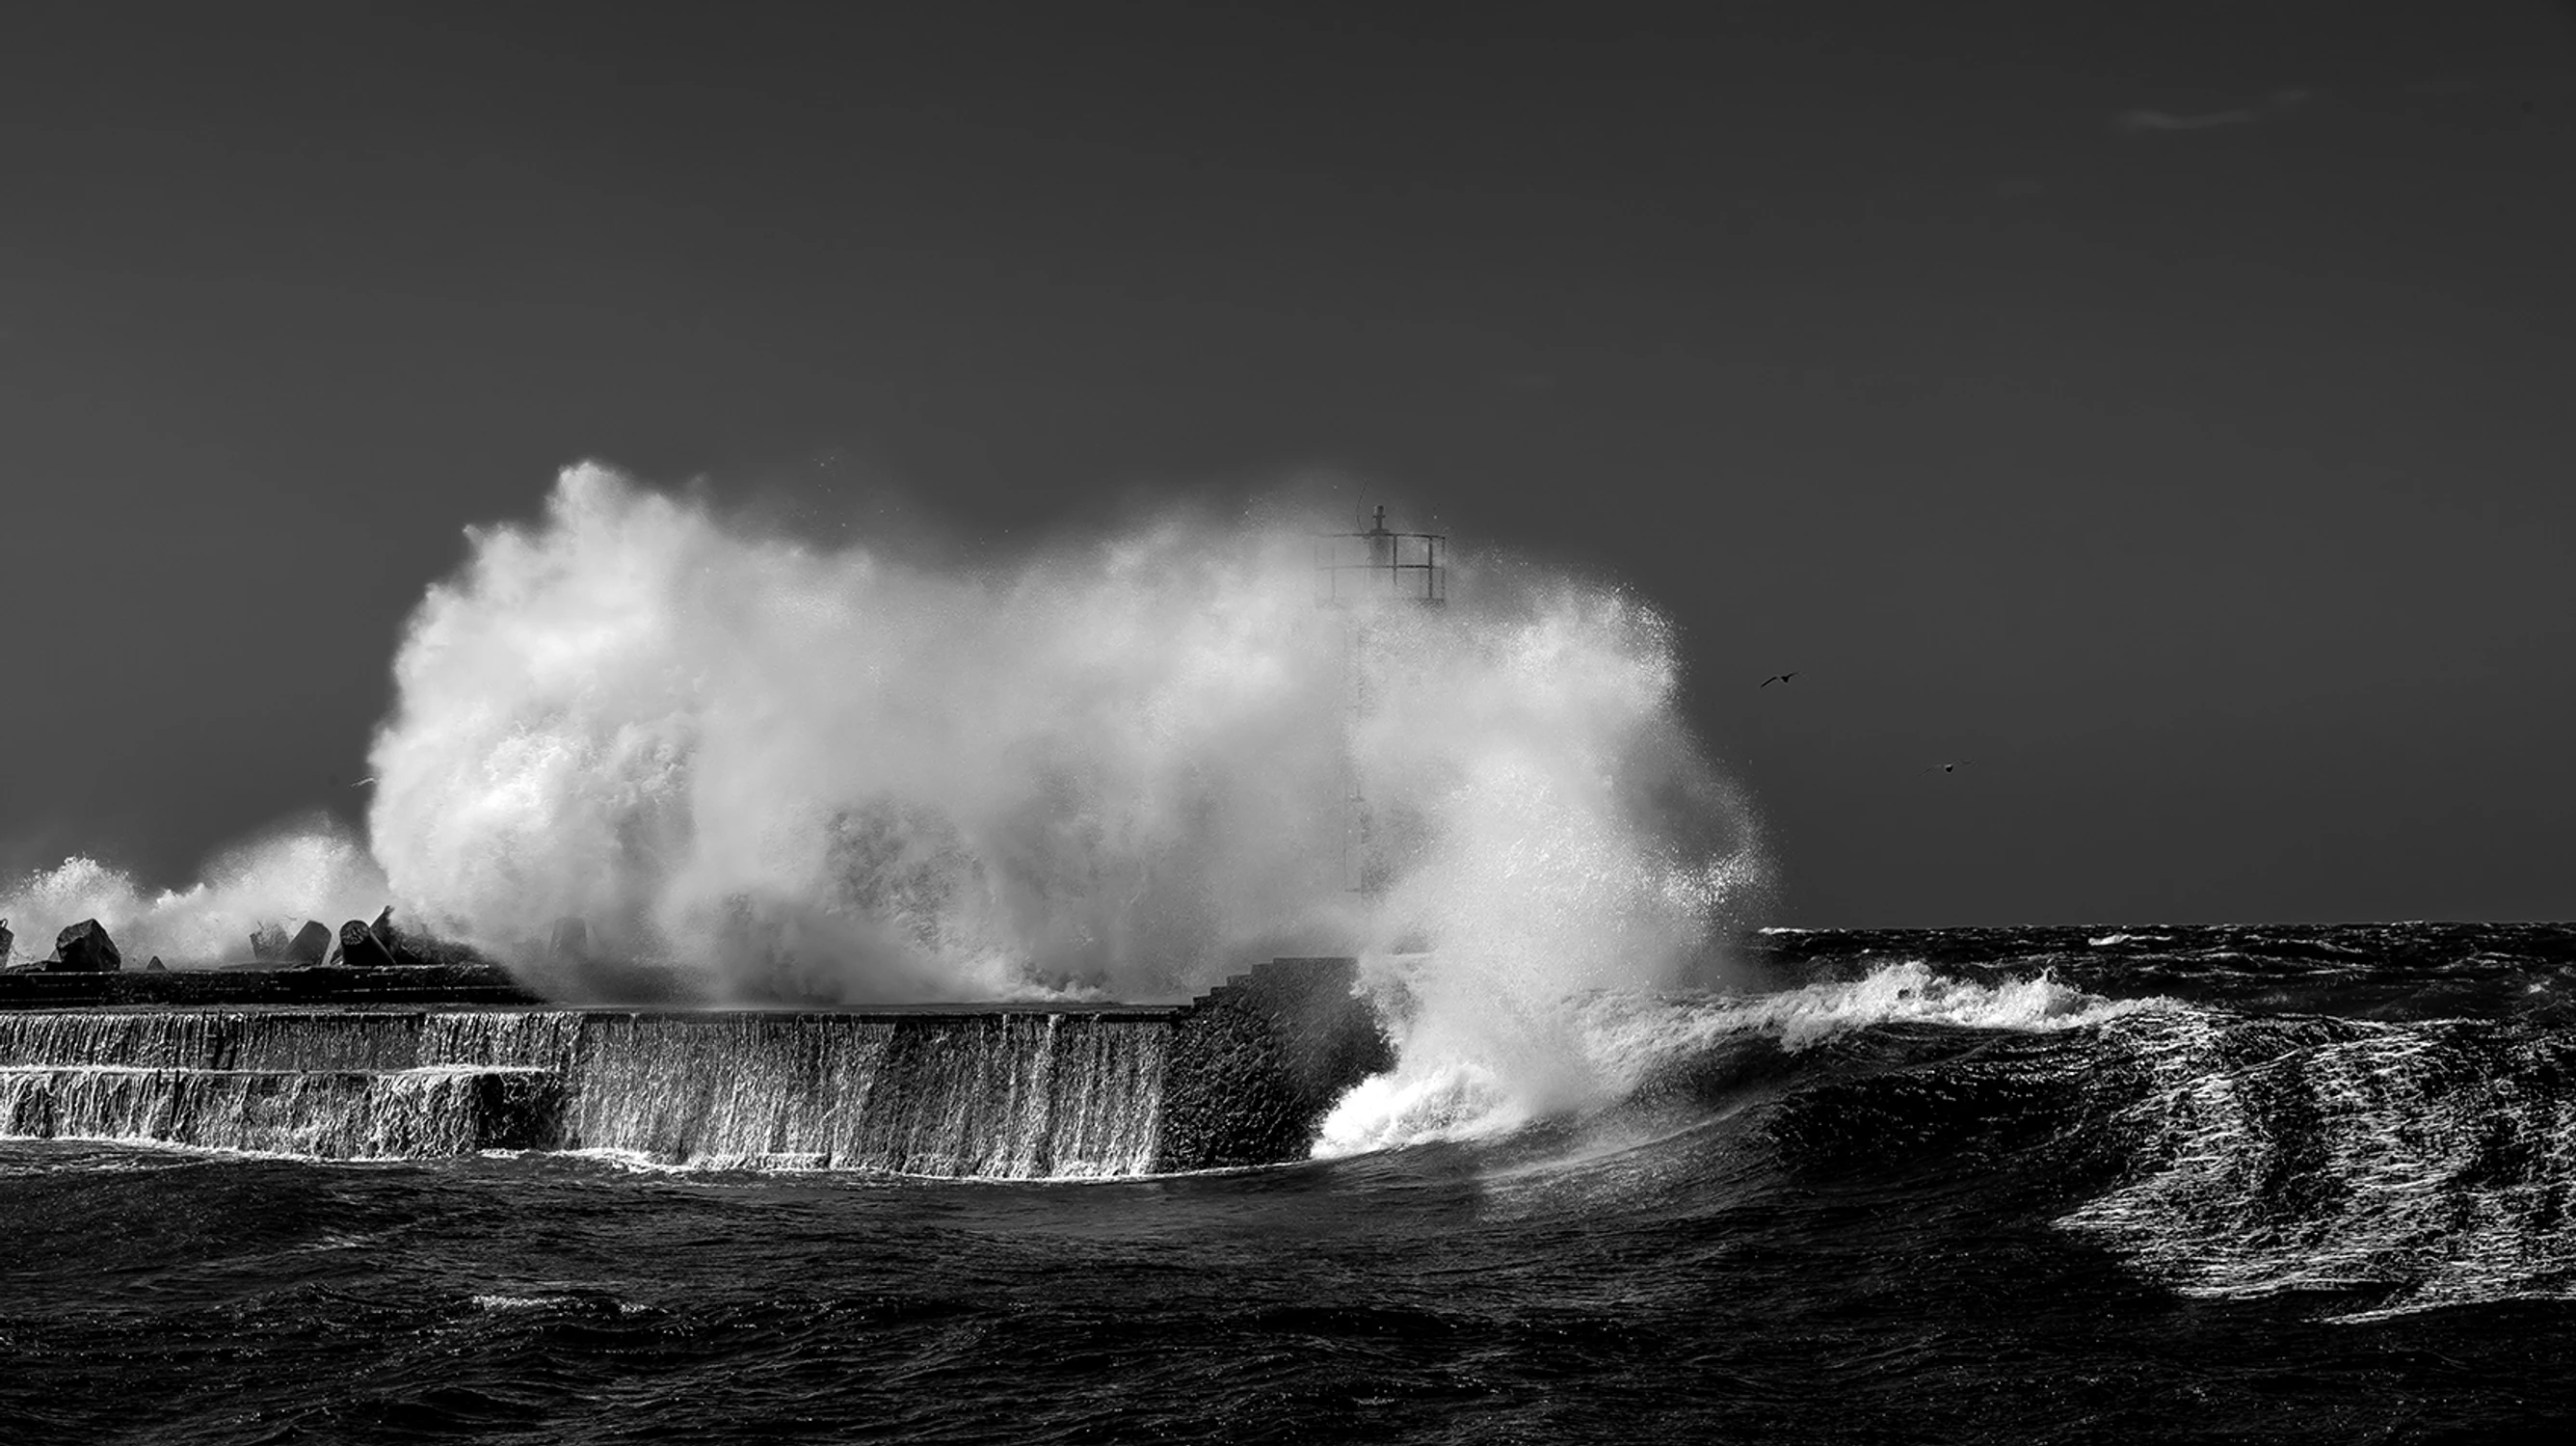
(1361, 577)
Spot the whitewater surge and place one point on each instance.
(1610, 1043)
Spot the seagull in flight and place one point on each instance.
(1948, 767)
(1775, 678)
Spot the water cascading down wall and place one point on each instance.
(1240, 1076)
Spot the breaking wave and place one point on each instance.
(1610, 1046)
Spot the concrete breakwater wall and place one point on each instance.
(455, 985)
(1239, 1076)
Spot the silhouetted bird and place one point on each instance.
(1776, 678)
(1948, 767)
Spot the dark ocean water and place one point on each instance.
(2289, 1184)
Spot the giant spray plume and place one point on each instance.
(798, 773)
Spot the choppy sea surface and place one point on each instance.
(2285, 1183)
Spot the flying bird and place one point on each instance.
(1776, 678)
(1948, 767)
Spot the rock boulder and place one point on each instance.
(361, 949)
(311, 944)
(569, 940)
(1257, 1062)
(84, 948)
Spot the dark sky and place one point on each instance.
(2171, 408)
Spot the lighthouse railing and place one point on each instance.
(1357, 567)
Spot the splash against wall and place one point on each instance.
(1116, 765)
(1112, 767)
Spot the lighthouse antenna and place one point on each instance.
(1360, 575)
